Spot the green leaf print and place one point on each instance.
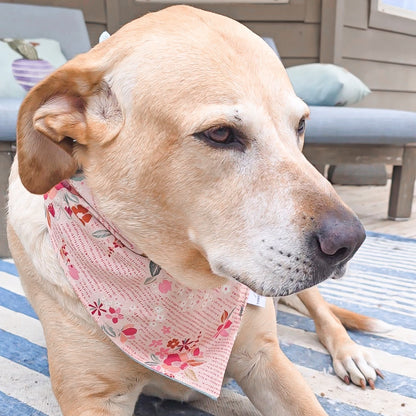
(101, 233)
(154, 269)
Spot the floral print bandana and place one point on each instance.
(186, 335)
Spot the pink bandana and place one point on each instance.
(183, 334)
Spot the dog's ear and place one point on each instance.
(73, 104)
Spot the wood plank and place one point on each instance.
(370, 204)
(402, 185)
(331, 36)
(365, 154)
(94, 31)
(293, 40)
(389, 99)
(313, 11)
(113, 18)
(94, 10)
(378, 45)
(381, 75)
(288, 62)
(356, 13)
(292, 11)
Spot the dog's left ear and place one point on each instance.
(73, 104)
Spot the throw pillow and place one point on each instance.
(326, 84)
(24, 62)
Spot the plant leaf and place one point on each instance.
(73, 198)
(224, 316)
(149, 280)
(154, 268)
(154, 358)
(108, 330)
(195, 363)
(101, 233)
(190, 374)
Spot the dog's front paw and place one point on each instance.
(353, 363)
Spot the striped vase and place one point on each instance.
(28, 72)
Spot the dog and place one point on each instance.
(189, 137)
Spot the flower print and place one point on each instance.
(165, 286)
(114, 315)
(128, 332)
(156, 343)
(97, 307)
(82, 213)
(166, 329)
(173, 343)
(117, 243)
(226, 289)
(159, 309)
(182, 361)
(51, 209)
(73, 272)
(186, 344)
(225, 324)
(162, 353)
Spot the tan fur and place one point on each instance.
(203, 214)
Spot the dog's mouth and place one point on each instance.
(289, 285)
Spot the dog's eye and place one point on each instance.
(301, 126)
(223, 137)
(220, 134)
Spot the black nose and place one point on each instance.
(339, 237)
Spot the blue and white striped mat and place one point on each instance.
(381, 282)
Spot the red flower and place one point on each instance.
(173, 343)
(84, 216)
(97, 307)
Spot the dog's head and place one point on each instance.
(190, 136)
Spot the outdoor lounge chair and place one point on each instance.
(67, 26)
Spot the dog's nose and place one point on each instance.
(338, 238)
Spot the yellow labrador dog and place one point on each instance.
(189, 135)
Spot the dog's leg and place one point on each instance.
(351, 361)
(90, 376)
(268, 378)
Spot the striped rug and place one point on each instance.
(381, 282)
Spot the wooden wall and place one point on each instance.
(380, 54)
(345, 32)
(295, 26)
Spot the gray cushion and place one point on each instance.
(348, 125)
(8, 117)
(67, 26)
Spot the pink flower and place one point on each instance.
(156, 343)
(165, 286)
(162, 353)
(114, 315)
(166, 329)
